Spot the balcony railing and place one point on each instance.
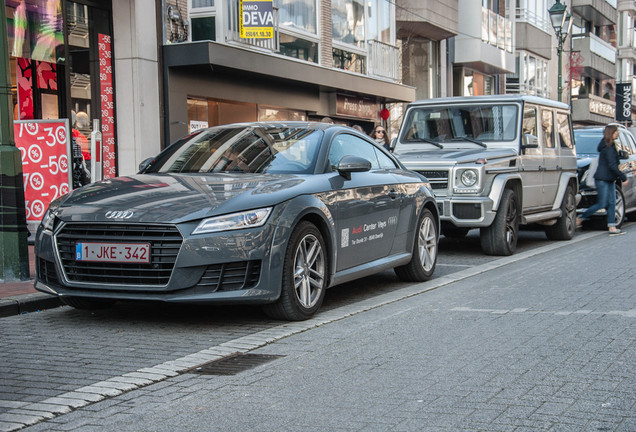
(383, 60)
(601, 48)
(496, 30)
(526, 15)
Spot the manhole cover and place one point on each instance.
(234, 364)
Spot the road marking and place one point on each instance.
(29, 414)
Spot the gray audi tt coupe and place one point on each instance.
(258, 213)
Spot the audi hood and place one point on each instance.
(175, 198)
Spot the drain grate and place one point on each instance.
(234, 364)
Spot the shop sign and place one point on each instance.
(256, 19)
(623, 102)
(107, 105)
(45, 149)
(196, 125)
(356, 107)
(601, 108)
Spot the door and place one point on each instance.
(551, 167)
(531, 160)
(368, 205)
(629, 168)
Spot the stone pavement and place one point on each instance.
(19, 297)
(542, 342)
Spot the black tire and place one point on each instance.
(500, 238)
(87, 303)
(451, 231)
(305, 275)
(425, 248)
(619, 214)
(565, 225)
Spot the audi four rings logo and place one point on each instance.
(119, 214)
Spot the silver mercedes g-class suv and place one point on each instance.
(495, 163)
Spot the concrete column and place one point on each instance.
(136, 39)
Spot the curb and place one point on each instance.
(24, 303)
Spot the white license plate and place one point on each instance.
(113, 252)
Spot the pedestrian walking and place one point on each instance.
(380, 136)
(605, 177)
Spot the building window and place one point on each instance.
(530, 77)
(379, 21)
(202, 20)
(297, 14)
(298, 23)
(204, 28)
(349, 61)
(348, 22)
(300, 48)
(420, 67)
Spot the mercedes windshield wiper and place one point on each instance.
(430, 141)
(472, 140)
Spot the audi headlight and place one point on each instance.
(48, 220)
(469, 177)
(234, 221)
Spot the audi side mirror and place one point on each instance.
(350, 164)
(145, 164)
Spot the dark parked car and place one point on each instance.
(586, 141)
(258, 213)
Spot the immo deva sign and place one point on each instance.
(623, 102)
(257, 19)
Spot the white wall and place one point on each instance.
(137, 82)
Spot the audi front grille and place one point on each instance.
(165, 241)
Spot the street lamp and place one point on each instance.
(561, 20)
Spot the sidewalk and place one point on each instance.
(21, 297)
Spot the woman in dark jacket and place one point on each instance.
(380, 136)
(605, 177)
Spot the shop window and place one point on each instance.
(197, 114)
(266, 113)
(35, 32)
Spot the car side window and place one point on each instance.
(529, 128)
(385, 161)
(564, 130)
(345, 144)
(547, 129)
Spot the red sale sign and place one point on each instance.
(107, 105)
(45, 149)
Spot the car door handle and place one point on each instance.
(394, 194)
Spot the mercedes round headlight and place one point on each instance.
(234, 221)
(469, 177)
